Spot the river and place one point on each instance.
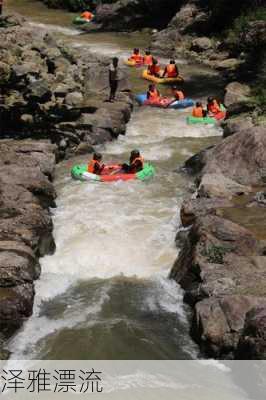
(105, 293)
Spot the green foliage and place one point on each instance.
(241, 23)
(215, 254)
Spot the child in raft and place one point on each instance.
(95, 166)
(154, 69)
(136, 56)
(198, 111)
(171, 70)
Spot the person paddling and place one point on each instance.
(178, 95)
(136, 56)
(213, 106)
(154, 69)
(153, 94)
(136, 163)
(86, 15)
(198, 111)
(147, 59)
(95, 166)
(171, 70)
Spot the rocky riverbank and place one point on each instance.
(222, 264)
(49, 90)
(52, 106)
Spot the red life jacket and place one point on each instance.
(214, 107)
(137, 58)
(92, 165)
(86, 15)
(154, 95)
(171, 71)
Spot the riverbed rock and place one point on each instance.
(26, 193)
(218, 185)
(236, 92)
(201, 44)
(198, 207)
(240, 157)
(252, 344)
(223, 275)
(49, 85)
(236, 124)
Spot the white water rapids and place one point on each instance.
(105, 293)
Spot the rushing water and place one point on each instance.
(105, 294)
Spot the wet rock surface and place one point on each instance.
(48, 89)
(52, 105)
(26, 193)
(221, 264)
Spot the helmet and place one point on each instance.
(97, 156)
(210, 99)
(135, 153)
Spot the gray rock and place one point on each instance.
(236, 93)
(74, 99)
(201, 44)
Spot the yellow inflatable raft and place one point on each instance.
(146, 75)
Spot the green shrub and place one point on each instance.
(215, 254)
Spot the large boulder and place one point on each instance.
(26, 194)
(236, 92)
(223, 275)
(201, 44)
(252, 344)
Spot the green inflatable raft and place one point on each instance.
(80, 21)
(111, 173)
(206, 120)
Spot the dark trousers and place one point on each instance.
(113, 89)
(1, 7)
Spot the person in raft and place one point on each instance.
(113, 78)
(136, 56)
(136, 163)
(95, 166)
(147, 59)
(213, 106)
(171, 70)
(153, 93)
(154, 69)
(198, 111)
(87, 15)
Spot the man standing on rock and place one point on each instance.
(113, 78)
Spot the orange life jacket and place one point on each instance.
(87, 15)
(137, 58)
(147, 60)
(171, 71)
(154, 69)
(197, 112)
(179, 95)
(92, 165)
(141, 159)
(214, 107)
(154, 95)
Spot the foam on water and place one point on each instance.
(55, 29)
